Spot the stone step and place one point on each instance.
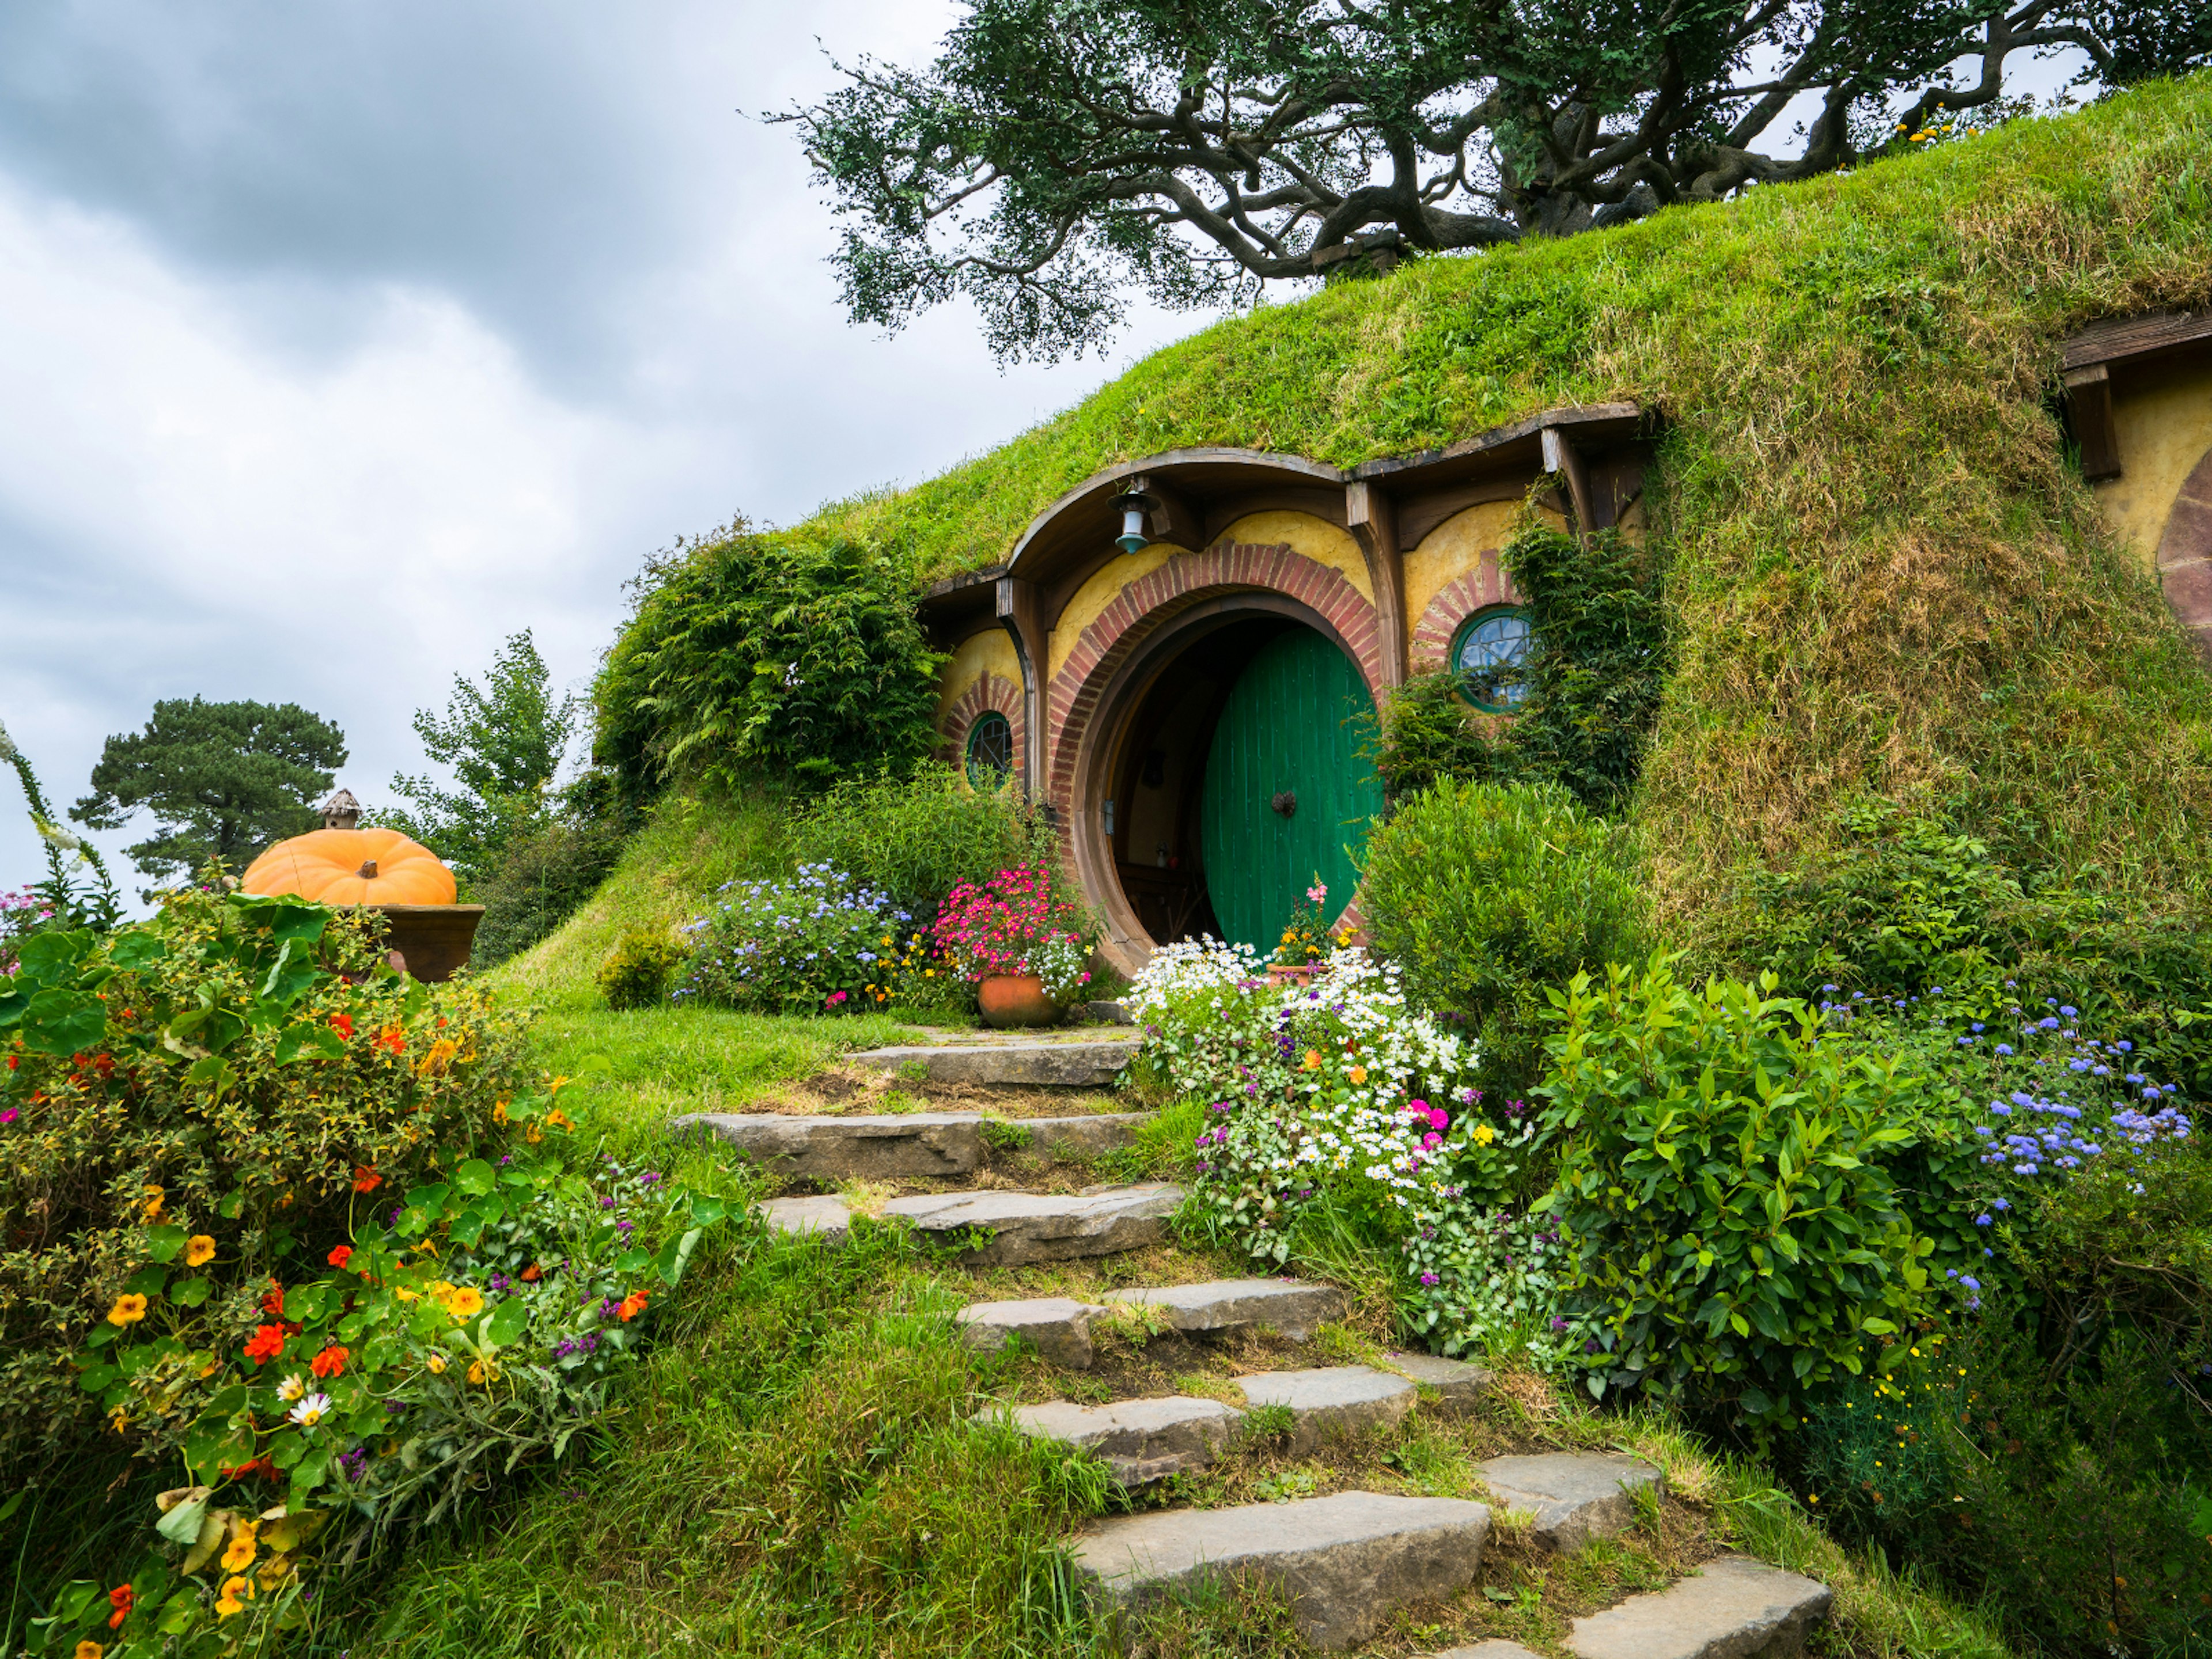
(1734, 1608)
(894, 1146)
(824, 1213)
(1059, 1327)
(1140, 1440)
(1027, 1227)
(1496, 1648)
(1292, 1307)
(1577, 1496)
(1460, 1387)
(1336, 1399)
(1066, 1062)
(1344, 1562)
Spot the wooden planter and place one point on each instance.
(1278, 974)
(432, 940)
(1016, 999)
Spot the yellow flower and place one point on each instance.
(200, 1250)
(1358, 1074)
(533, 1134)
(436, 1361)
(439, 1057)
(499, 1112)
(127, 1311)
(236, 1593)
(240, 1555)
(291, 1389)
(88, 1650)
(1483, 1135)
(154, 1198)
(119, 1420)
(1313, 1059)
(478, 1372)
(404, 1293)
(464, 1304)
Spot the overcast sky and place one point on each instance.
(339, 341)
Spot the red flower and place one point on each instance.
(633, 1305)
(532, 1274)
(260, 1466)
(329, 1362)
(391, 1039)
(342, 1024)
(268, 1342)
(366, 1179)
(120, 1598)
(272, 1300)
(340, 1256)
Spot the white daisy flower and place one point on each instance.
(310, 1410)
(291, 1388)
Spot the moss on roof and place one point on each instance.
(1885, 576)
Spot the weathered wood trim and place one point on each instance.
(2089, 411)
(2122, 339)
(1371, 515)
(1018, 611)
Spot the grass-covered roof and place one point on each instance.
(1884, 575)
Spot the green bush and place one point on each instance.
(919, 837)
(752, 656)
(639, 971)
(188, 1105)
(1485, 893)
(1734, 1237)
(542, 877)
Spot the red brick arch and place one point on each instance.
(2185, 554)
(1114, 635)
(1489, 583)
(989, 693)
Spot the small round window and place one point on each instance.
(990, 750)
(1490, 652)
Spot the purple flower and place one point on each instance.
(1428, 1278)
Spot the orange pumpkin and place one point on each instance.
(353, 866)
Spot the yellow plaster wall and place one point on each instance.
(2162, 415)
(1099, 592)
(1315, 539)
(989, 652)
(1451, 550)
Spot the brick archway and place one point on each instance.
(990, 694)
(1072, 697)
(1490, 583)
(2185, 555)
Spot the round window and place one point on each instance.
(990, 750)
(1492, 652)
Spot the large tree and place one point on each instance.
(502, 741)
(1059, 152)
(219, 780)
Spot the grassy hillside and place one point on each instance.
(1886, 577)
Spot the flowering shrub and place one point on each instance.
(818, 943)
(468, 1327)
(1015, 923)
(1305, 938)
(213, 1088)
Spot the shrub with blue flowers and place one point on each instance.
(818, 942)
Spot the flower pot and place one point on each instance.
(1278, 975)
(432, 940)
(1015, 1000)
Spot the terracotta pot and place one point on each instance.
(1012, 1000)
(1298, 976)
(433, 940)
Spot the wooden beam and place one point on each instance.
(1561, 456)
(2089, 412)
(1020, 613)
(1371, 515)
(2120, 339)
(1172, 519)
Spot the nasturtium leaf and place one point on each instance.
(706, 1211)
(147, 1281)
(163, 1243)
(507, 1321)
(213, 1071)
(94, 1378)
(468, 1227)
(63, 1023)
(630, 1261)
(288, 1450)
(135, 947)
(476, 1177)
(12, 1007)
(46, 959)
(307, 1475)
(431, 1198)
(181, 1525)
(676, 1255)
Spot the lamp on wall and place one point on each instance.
(1133, 505)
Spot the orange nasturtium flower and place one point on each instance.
(342, 1024)
(339, 1255)
(154, 1199)
(559, 1119)
(329, 1362)
(366, 1179)
(127, 1311)
(122, 1598)
(239, 1554)
(1313, 1059)
(88, 1649)
(200, 1250)
(236, 1593)
(268, 1342)
(633, 1305)
(464, 1304)
(391, 1039)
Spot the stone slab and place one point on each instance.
(1079, 1137)
(824, 1213)
(1735, 1609)
(1577, 1496)
(1107, 1013)
(1496, 1648)
(1141, 1440)
(1338, 1399)
(1026, 1227)
(1059, 1326)
(1292, 1307)
(1345, 1562)
(873, 1148)
(1091, 1064)
(1460, 1387)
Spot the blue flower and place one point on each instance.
(2004, 1047)
(1983, 1220)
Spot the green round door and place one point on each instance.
(1285, 789)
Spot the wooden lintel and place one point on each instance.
(2089, 411)
(1371, 515)
(1172, 517)
(1020, 613)
(1561, 456)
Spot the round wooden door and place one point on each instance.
(1285, 790)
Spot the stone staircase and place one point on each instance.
(1346, 1563)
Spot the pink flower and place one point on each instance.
(10, 1116)
(1438, 1118)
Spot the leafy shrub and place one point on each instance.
(752, 656)
(1734, 1234)
(1016, 922)
(1485, 894)
(818, 942)
(639, 971)
(237, 1068)
(542, 877)
(1597, 614)
(919, 837)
